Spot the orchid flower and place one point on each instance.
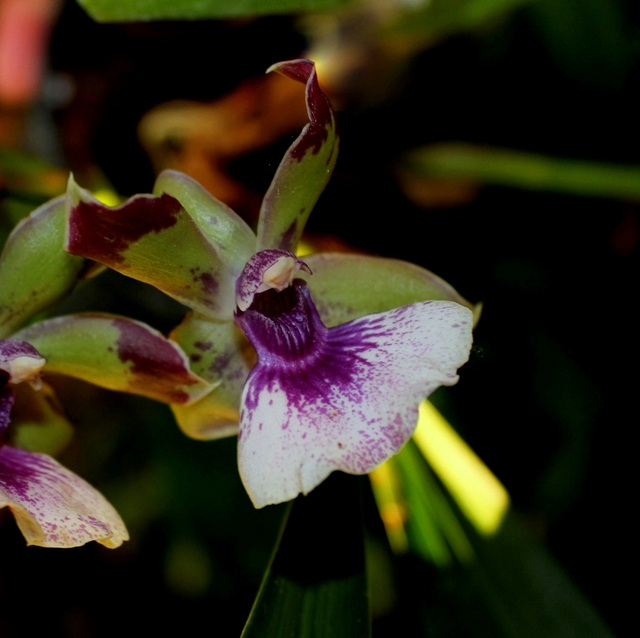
(52, 506)
(319, 362)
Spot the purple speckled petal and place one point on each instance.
(344, 398)
(52, 506)
(304, 170)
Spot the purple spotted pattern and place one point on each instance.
(7, 399)
(345, 398)
(53, 506)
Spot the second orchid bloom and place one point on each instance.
(54, 507)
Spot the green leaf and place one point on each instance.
(433, 530)
(527, 592)
(347, 286)
(316, 585)
(493, 579)
(589, 40)
(35, 272)
(440, 18)
(305, 169)
(125, 10)
(116, 353)
(512, 168)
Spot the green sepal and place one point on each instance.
(219, 353)
(34, 269)
(235, 242)
(346, 286)
(304, 170)
(116, 353)
(155, 240)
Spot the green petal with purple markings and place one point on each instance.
(153, 239)
(346, 286)
(218, 352)
(116, 353)
(52, 506)
(305, 169)
(34, 270)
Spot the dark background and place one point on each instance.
(548, 399)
